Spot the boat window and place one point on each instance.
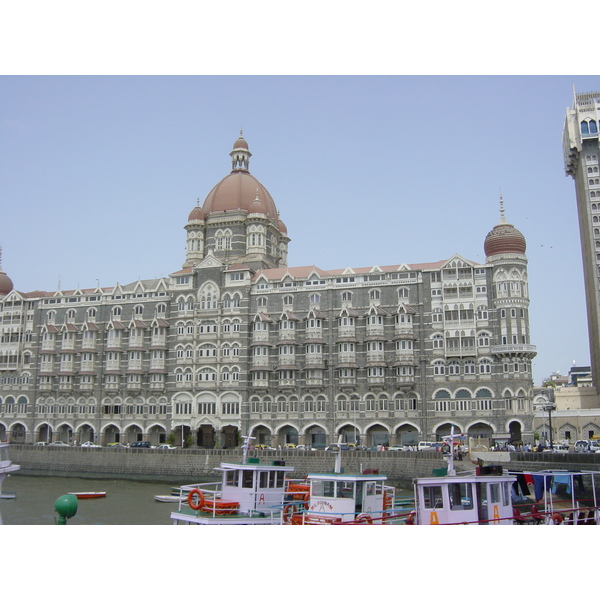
(432, 495)
(370, 488)
(264, 480)
(316, 488)
(232, 478)
(505, 494)
(345, 489)
(280, 479)
(329, 489)
(247, 477)
(494, 493)
(461, 496)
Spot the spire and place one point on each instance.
(502, 219)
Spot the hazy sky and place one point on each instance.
(99, 174)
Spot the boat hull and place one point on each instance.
(87, 495)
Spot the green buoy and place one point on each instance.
(66, 507)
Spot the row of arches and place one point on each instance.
(374, 434)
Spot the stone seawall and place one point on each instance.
(195, 464)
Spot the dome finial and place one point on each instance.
(502, 219)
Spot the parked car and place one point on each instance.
(263, 447)
(557, 448)
(336, 447)
(289, 447)
(115, 445)
(89, 445)
(587, 446)
(40, 444)
(161, 446)
(397, 448)
(140, 445)
(426, 446)
(59, 443)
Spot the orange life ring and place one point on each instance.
(364, 518)
(288, 512)
(557, 518)
(190, 499)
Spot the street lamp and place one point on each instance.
(546, 403)
(355, 398)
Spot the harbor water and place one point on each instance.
(127, 502)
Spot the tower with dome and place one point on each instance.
(237, 340)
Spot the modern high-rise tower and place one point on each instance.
(581, 153)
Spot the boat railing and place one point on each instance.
(308, 517)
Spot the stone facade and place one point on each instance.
(237, 341)
(581, 149)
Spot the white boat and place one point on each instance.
(484, 496)
(170, 498)
(256, 492)
(259, 493)
(6, 467)
(339, 498)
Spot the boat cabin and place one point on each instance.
(470, 499)
(344, 497)
(254, 486)
(248, 493)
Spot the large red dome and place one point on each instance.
(240, 190)
(504, 239)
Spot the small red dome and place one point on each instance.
(282, 227)
(504, 239)
(240, 143)
(6, 284)
(196, 215)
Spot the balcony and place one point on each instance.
(260, 361)
(260, 336)
(525, 349)
(314, 361)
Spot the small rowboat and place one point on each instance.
(168, 499)
(87, 495)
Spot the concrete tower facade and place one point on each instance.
(581, 155)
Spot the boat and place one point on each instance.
(339, 498)
(87, 495)
(489, 495)
(169, 498)
(249, 493)
(256, 492)
(6, 468)
(261, 492)
(486, 495)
